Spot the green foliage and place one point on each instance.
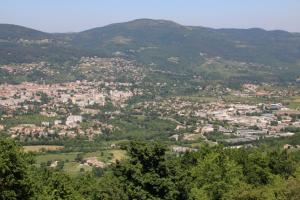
(216, 136)
(110, 188)
(14, 172)
(54, 185)
(293, 187)
(215, 175)
(151, 172)
(281, 163)
(79, 157)
(145, 174)
(27, 119)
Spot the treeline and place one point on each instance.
(151, 172)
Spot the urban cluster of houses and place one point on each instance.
(111, 69)
(70, 128)
(56, 101)
(27, 68)
(239, 123)
(81, 93)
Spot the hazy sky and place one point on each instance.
(77, 15)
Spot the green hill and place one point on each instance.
(164, 45)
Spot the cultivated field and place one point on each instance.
(72, 167)
(42, 148)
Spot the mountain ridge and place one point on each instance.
(148, 20)
(161, 43)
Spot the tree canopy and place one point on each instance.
(153, 172)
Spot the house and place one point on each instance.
(179, 127)
(72, 120)
(233, 141)
(46, 124)
(175, 137)
(287, 134)
(249, 132)
(225, 131)
(57, 122)
(93, 161)
(274, 106)
(54, 164)
(207, 129)
(287, 146)
(179, 149)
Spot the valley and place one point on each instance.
(149, 109)
(122, 100)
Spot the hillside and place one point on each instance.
(14, 32)
(165, 45)
(19, 44)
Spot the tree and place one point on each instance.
(281, 163)
(86, 185)
(274, 123)
(145, 174)
(109, 187)
(293, 187)
(79, 157)
(255, 165)
(54, 185)
(214, 176)
(14, 172)
(249, 192)
(97, 171)
(60, 165)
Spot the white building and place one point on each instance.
(57, 122)
(1, 127)
(73, 120)
(207, 129)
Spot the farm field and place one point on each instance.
(72, 167)
(27, 119)
(42, 148)
(294, 102)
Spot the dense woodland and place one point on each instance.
(152, 172)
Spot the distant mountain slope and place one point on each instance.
(169, 38)
(14, 32)
(162, 44)
(20, 44)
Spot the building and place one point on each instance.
(207, 129)
(180, 149)
(73, 120)
(57, 122)
(249, 132)
(234, 141)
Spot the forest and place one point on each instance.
(151, 171)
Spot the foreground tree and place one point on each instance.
(146, 174)
(15, 182)
(54, 185)
(212, 173)
(215, 175)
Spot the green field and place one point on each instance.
(42, 148)
(72, 167)
(55, 156)
(294, 102)
(26, 119)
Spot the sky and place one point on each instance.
(79, 15)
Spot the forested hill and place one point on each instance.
(151, 173)
(171, 39)
(161, 43)
(14, 32)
